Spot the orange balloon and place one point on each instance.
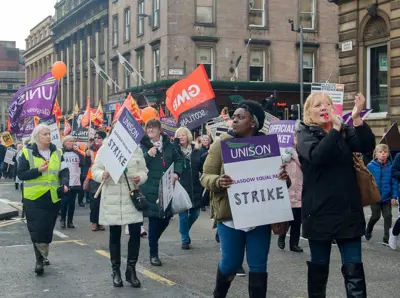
(59, 70)
(149, 113)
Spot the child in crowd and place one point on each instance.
(381, 168)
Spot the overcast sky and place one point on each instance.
(18, 17)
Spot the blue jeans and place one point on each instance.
(234, 243)
(186, 220)
(350, 251)
(157, 226)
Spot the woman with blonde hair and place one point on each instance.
(46, 179)
(331, 202)
(190, 180)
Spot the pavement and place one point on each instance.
(80, 264)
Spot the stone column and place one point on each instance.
(3, 113)
(81, 95)
(89, 64)
(74, 82)
(96, 80)
(107, 61)
(68, 62)
(61, 83)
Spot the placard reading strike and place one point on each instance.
(257, 197)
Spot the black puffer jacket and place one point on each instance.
(331, 202)
(190, 178)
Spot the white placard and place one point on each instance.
(55, 135)
(167, 187)
(347, 46)
(10, 153)
(268, 119)
(120, 145)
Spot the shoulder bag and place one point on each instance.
(138, 199)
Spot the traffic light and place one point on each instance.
(295, 112)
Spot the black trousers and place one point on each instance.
(68, 206)
(295, 226)
(94, 209)
(157, 226)
(82, 193)
(133, 243)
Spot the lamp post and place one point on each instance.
(301, 31)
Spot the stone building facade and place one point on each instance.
(80, 34)
(369, 35)
(168, 39)
(11, 58)
(10, 82)
(39, 50)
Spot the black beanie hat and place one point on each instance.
(255, 109)
(101, 134)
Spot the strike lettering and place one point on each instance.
(117, 152)
(259, 196)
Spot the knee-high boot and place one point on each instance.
(133, 255)
(354, 280)
(39, 269)
(115, 256)
(258, 284)
(223, 284)
(317, 279)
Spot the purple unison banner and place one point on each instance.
(34, 99)
(169, 125)
(131, 126)
(285, 130)
(243, 149)
(26, 127)
(349, 121)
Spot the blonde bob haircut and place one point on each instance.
(36, 131)
(310, 102)
(67, 139)
(185, 131)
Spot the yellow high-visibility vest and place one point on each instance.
(48, 181)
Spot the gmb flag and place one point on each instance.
(191, 100)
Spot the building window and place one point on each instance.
(308, 67)
(115, 74)
(307, 14)
(257, 13)
(140, 23)
(115, 31)
(205, 56)
(156, 13)
(257, 66)
(377, 78)
(127, 24)
(140, 67)
(156, 64)
(205, 11)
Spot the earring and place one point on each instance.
(253, 126)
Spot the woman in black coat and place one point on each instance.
(46, 180)
(332, 206)
(190, 180)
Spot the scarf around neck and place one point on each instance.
(187, 152)
(158, 144)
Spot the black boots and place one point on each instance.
(115, 256)
(133, 254)
(39, 269)
(258, 284)
(281, 241)
(317, 280)
(354, 280)
(222, 286)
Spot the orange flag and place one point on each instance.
(162, 115)
(98, 115)
(36, 120)
(56, 110)
(86, 117)
(8, 125)
(189, 93)
(132, 107)
(67, 127)
(116, 112)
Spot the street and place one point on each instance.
(80, 266)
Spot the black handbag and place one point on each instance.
(138, 199)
